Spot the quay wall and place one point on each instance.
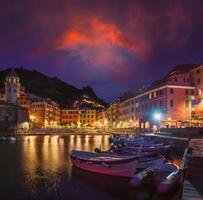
(183, 132)
(7, 128)
(62, 131)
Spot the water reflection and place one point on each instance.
(45, 158)
(39, 168)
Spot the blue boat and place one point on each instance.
(163, 177)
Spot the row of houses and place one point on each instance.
(174, 101)
(46, 113)
(41, 112)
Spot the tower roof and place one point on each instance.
(12, 73)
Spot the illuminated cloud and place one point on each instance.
(98, 42)
(109, 42)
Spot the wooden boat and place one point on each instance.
(163, 177)
(7, 139)
(132, 144)
(145, 158)
(174, 178)
(109, 164)
(133, 150)
(120, 164)
(169, 182)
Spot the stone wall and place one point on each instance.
(7, 128)
(183, 132)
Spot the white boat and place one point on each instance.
(109, 164)
(116, 164)
(7, 139)
(2, 139)
(11, 139)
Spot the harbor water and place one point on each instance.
(39, 167)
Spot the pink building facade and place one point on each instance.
(171, 101)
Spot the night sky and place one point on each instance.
(113, 46)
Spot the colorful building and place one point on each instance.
(70, 117)
(45, 113)
(197, 81)
(101, 118)
(171, 100)
(25, 101)
(87, 117)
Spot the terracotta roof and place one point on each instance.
(183, 68)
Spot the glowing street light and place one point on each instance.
(157, 116)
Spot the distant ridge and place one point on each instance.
(51, 87)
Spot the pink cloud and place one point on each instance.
(98, 41)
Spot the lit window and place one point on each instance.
(150, 96)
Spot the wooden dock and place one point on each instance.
(195, 160)
(190, 192)
(194, 172)
(193, 163)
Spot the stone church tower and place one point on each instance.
(12, 87)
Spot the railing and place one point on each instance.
(183, 164)
(183, 168)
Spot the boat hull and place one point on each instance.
(127, 169)
(143, 164)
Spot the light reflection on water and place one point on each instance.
(44, 158)
(41, 169)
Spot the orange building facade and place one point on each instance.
(70, 116)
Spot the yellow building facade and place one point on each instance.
(87, 117)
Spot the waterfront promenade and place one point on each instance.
(76, 131)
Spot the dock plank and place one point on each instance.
(189, 192)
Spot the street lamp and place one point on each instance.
(157, 116)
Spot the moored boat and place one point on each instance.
(163, 177)
(133, 150)
(7, 139)
(131, 144)
(119, 162)
(109, 164)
